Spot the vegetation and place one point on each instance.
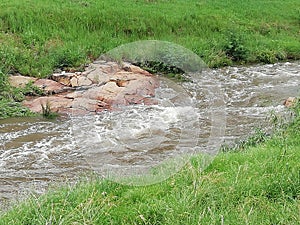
(38, 37)
(258, 185)
(10, 98)
(46, 111)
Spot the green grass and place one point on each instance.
(259, 185)
(38, 36)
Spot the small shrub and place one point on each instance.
(169, 71)
(267, 56)
(235, 48)
(9, 108)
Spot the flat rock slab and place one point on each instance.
(20, 81)
(102, 86)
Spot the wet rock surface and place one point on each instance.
(102, 86)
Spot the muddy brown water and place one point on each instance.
(36, 153)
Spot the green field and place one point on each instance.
(38, 36)
(259, 185)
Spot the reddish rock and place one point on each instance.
(57, 103)
(100, 87)
(84, 81)
(63, 78)
(49, 86)
(135, 69)
(20, 81)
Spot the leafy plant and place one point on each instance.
(18, 94)
(9, 108)
(235, 48)
(169, 71)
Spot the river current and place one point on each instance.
(36, 153)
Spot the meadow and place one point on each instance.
(38, 37)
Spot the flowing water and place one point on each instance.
(35, 153)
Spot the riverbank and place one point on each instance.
(259, 185)
(38, 38)
(253, 185)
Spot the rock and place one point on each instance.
(49, 86)
(57, 103)
(290, 101)
(74, 82)
(20, 81)
(101, 87)
(135, 69)
(98, 77)
(63, 78)
(84, 81)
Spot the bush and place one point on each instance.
(235, 48)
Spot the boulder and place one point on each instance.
(63, 78)
(20, 81)
(57, 103)
(135, 69)
(83, 81)
(49, 86)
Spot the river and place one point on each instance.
(36, 153)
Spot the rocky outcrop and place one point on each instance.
(102, 86)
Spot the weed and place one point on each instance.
(235, 48)
(161, 68)
(46, 111)
(9, 108)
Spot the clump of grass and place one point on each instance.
(161, 68)
(257, 138)
(235, 48)
(47, 112)
(10, 98)
(18, 94)
(9, 108)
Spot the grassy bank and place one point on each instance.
(37, 37)
(259, 185)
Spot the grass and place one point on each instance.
(37, 37)
(259, 185)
